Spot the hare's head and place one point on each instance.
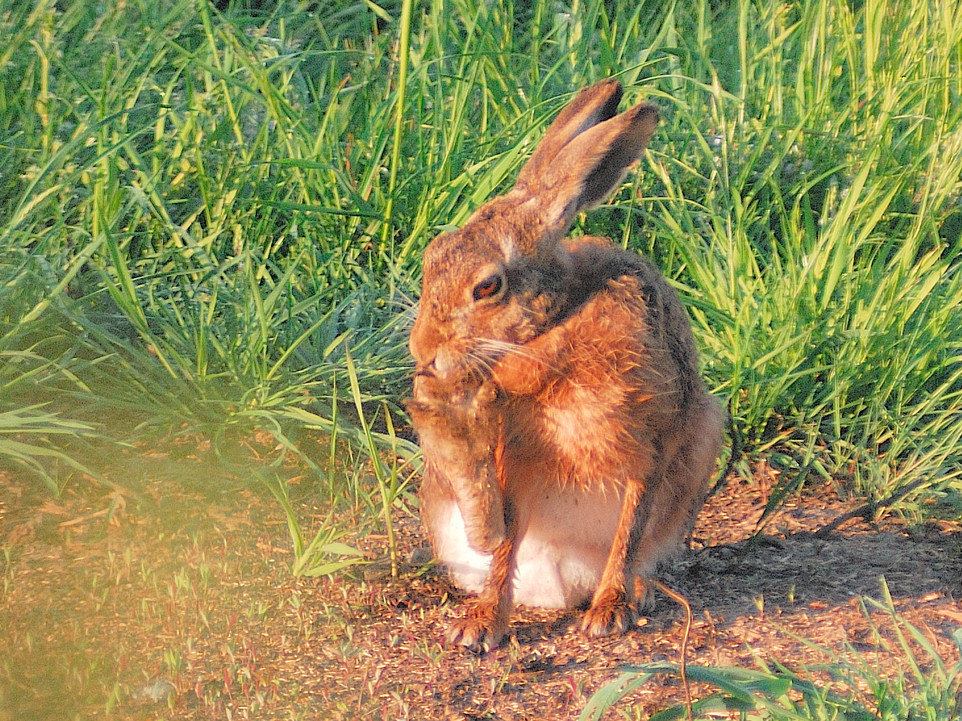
(505, 277)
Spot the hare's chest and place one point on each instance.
(585, 429)
(560, 554)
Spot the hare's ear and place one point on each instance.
(591, 106)
(588, 167)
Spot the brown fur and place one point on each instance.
(545, 366)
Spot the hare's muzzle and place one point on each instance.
(424, 371)
(422, 375)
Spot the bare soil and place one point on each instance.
(170, 602)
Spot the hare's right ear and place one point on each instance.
(584, 156)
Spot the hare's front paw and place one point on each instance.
(480, 631)
(466, 393)
(611, 614)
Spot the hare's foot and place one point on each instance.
(611, 614)
(480, 631)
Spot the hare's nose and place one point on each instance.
(423, 344)
(426, 370)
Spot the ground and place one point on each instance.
(165, 599)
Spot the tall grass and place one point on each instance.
(202, 211)
(827, 202)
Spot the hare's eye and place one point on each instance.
(490, 287)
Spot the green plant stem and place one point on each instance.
(404, 45)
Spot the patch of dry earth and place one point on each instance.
(180, 605)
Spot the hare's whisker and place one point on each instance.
(503, 349)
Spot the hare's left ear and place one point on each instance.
(592, 105)
(588, 167)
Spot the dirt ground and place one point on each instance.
(178, 603)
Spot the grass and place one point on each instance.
(200, 225)
(211, 221)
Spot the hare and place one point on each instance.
(568, 439)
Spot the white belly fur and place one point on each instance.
(560, 556)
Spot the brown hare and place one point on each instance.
(568, 439)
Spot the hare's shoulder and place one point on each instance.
(624, 301)
(599, 265)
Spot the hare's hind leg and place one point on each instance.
(614, 609)
(655, 516)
